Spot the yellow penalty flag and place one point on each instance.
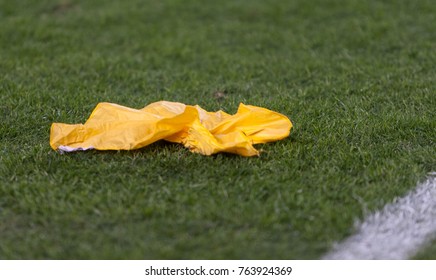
(115, 127)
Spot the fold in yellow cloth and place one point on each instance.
(115, 127)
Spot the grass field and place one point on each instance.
(357, 78)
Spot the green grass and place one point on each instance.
(428, 252)
(356, 78)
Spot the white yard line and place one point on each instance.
(397, 231)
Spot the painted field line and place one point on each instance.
(397, 231)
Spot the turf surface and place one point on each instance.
(355, 77)
(427, 253)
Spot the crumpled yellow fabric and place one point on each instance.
(115, 127)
